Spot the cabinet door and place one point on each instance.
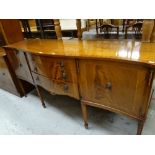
(116, 86)
(22, 70)
(55, 68)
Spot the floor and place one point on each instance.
(63, 116)
(91, 35)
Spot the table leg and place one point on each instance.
(85, 114)
(40, 95)
(140, 127)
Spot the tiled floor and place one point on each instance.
(63, 116)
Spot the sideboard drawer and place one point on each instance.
(42, 81)
(113, 85)
(66, 88)
(61, 69)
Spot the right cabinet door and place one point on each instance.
(120, 87)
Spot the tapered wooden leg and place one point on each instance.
(40, 95)
(140, 127)
(21, 86)
(85, 114)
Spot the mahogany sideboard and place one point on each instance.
(110, 74)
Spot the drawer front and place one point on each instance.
(55, 68)
(66, 88)
(42, 81)
(22, 71)
(114, 85)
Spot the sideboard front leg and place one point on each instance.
(40, 95)
(85, 114)
(140, 127)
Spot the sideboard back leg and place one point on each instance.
(40, 95)
(140, 127)
(85, 114)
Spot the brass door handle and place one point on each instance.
(108, 85)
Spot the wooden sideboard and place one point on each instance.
(113, 75)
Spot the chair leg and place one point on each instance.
(40, 95)
(117, 32)
(140, 127)
(96, 27)
(126, 31)
(85, 114)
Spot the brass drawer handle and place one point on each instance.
(108, 85)
(66, 87)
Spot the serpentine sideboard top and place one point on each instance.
(128, 50)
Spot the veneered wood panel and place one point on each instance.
(127, 82)
(66, 88)
(55, 68)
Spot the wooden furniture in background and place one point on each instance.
(53, 28)
(90, 23)
(57, 28)
(8, 80)
(136, 27)
(152, 39)
(79, 31)
(148, 25)
(120, 79)
(106, 27)
(11, 32)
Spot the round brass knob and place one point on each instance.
(108, 85)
